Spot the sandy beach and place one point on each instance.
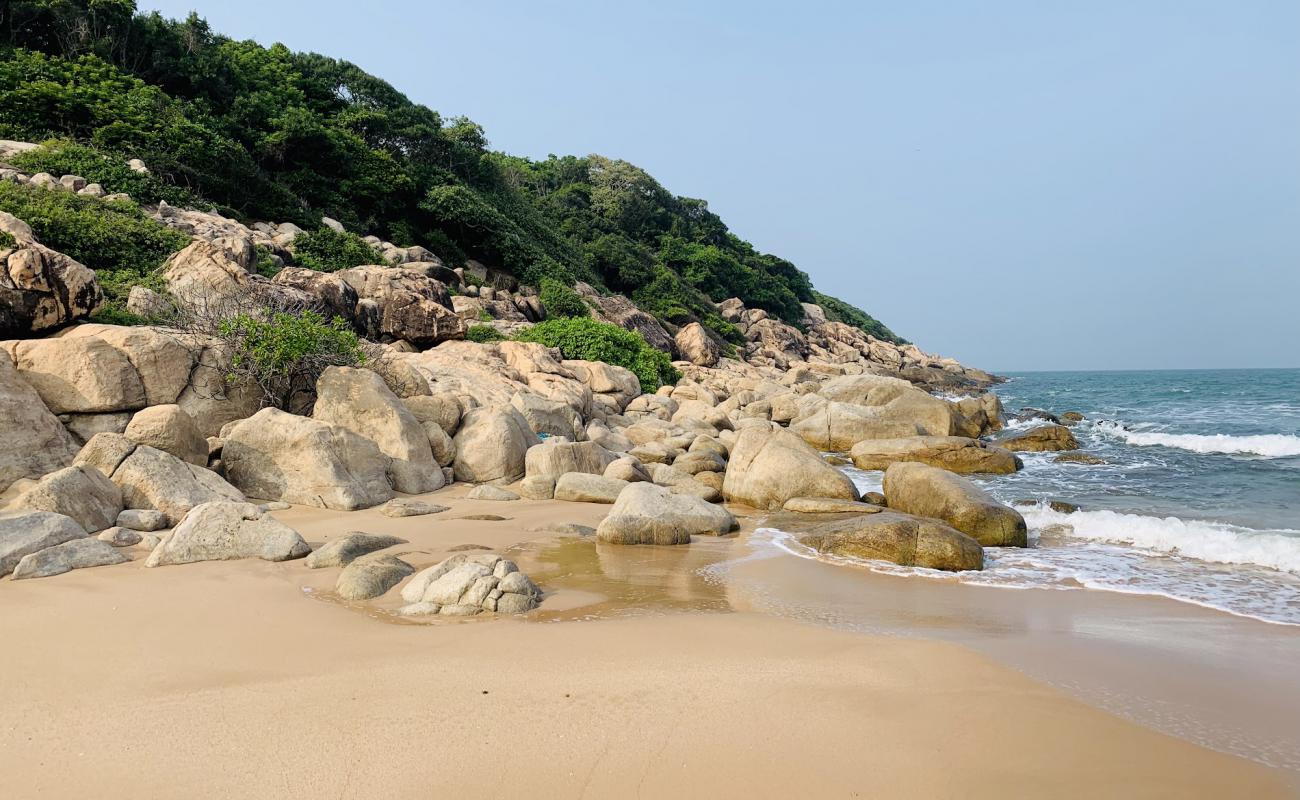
(636, 677)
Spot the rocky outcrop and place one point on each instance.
(402, 304)
(465, 585)
(872, 407)
(80, 492)
(491, 444)
(76, 554)
(40, 289)
(648, 514)
(1043, 439)
(26, 532)
(696, 346)
(359, 401)
(224, 531)
(953, 453)
(932, 492)
(767, 468)
(34, 442)
(890, 536)
(277, 456)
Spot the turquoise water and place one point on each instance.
(1198, 501)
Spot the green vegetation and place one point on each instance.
(586, 339)
(7, 240)
(266, 265)
(839, 311)
(124, 247)
(560, 300)
(483, 334)
(265, 133)
(327, 250)
(64, 157)
(286, 354)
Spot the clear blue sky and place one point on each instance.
(1021, 185)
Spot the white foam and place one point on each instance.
(1270, 445)
(1214, 542)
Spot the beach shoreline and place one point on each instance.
(640, 674)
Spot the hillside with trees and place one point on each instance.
(264, 133)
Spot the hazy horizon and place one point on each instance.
(1021, 188)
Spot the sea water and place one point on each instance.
(1198, 501)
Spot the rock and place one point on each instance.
(537, 487)
(406, 507)
(466, 584)
(564, 529)
(84, 426)
(890, 536)
(170, 429)
(696, 346)
(407, 305)
(140, 519)
(627, 469)
(76, 554)
(81, 492)
(896, 401)
(484, 517)
(839, 426)
(278, 456)
(150, 478)
(490, 445)
(1072, 418)
(360, 401)
(550, 417)
(932, 492)
(1043, 439)
(489, 492)
(1079, 458)
(827, 505)
(648, 514)
(105, 452)
(34, 441)
(120, 537)
(582, 487)
(223, 531)
(953, 453)
(80, 375)
(26, 532)
(211, 272)
(149, 304)
(335, 296)
(553, 459)
(441, 409)
(40, 289)
(1030, 413)
(349, 547)
(371, 576)
(767, 468)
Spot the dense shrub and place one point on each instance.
(328, 250)
(483, 334)
(586, 339)
(286, 354)
(64, 157)
(560, 300)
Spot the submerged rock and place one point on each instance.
(1043, 439)
(892, 536)
(468, 584)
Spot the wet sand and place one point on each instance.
(640, 676)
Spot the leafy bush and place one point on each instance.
(561, 300)
(328, 250)
(286, 354)
(588, 340)
(7, 240)
(64, 157)
(483, 334)
(266, 264)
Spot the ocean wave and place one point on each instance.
(1269, 445)
(1213, 542)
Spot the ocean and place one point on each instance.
(1198, 501)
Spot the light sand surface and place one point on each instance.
(230, 680)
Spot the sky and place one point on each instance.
(1020, 185)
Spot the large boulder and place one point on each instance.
(583, 487)
(767, 468)
(404, 305)
(277, 456)
(32, 442)
(224, 531)
(76, 554)
(696, 346)
(25, 532)
(551, 417)
(210, 271)
(347, 548)
(552, 459)
(932, 492)
(491, 444)
(80, 375)
(468, 584)
(888, 536)
(150, 478)
(333, 294)
(1043, 439)
(370, 576)
(170, 429)
(953, 453)
(648, 514)
(896, 399)
(81, 492)
(40, 289)
(839, 426)
(360, 401)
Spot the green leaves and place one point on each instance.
(286, 353)
(560, 300)
(586, 339)
(328, 250)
